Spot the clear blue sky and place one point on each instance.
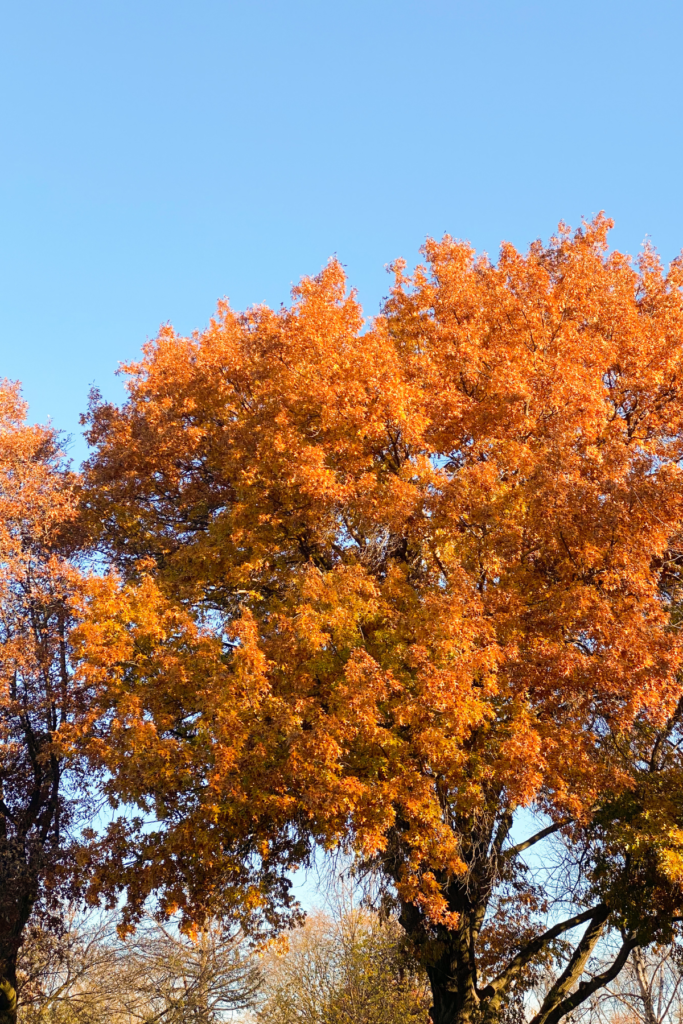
(157, 155)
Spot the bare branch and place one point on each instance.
(574, 968)
(520, 847)
(587, 988)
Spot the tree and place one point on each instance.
(384, 588)
(353, 969)
(40, 586)
(169, 977)
(87, 974)
(648, 991)
(67, 974)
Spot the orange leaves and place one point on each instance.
(396, 575)
(162, 691)
(42, 777)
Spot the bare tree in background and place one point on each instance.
(88, 975)
(648, 991)
(65, 975)
(168, 977)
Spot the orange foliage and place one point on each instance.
(40, 702)
(376, 580)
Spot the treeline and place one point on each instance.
(405, 591)
(350, 968)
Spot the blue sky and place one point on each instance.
(155, 156)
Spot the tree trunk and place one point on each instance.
(644, 986)
(454, 995)
(8, 994)
(448, 958)
(446, 1007)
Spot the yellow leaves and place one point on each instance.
(333, 606)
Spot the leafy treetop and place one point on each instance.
(382, 585)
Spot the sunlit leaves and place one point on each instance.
(383, 577)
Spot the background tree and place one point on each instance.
(167, 976)
(39, 592)
(350, 969)
(384, 588)
(87, 974)
(647, 991)
(67, 974)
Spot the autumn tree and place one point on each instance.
(384, 587)
(351, 968)
(40, 586)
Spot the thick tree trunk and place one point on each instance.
(448, 957)
(447, 1007)
(8, 994)
(452, 980)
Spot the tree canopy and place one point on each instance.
(382, 585)
(41, 586)
(346, 969)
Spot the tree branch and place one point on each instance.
(502, 832)
(555, 827)
(663, 736)
(587, 988)
(499, 985)
(645, 990)
(574, 968)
